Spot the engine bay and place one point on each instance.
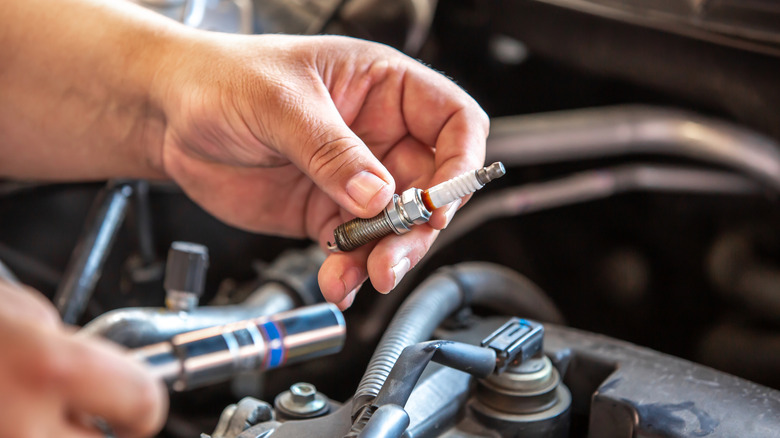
(622, 280)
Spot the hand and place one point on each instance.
(295, 135)
(55, 384)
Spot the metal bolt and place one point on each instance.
(303, 393)
(302, 400)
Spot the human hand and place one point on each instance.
(295, 135)
(55, 384)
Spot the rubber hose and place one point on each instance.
(505, 291)
(443, 293)
(430, 303)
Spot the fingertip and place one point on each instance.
(151, 406)
(395, 256)
(346, 303)
(380, 264)
(443, 216)
(342, 273)
(330, 285)
(108, 383)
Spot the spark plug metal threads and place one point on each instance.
(412, 207)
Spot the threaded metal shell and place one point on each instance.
(358, 232)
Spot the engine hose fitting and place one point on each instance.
(413, 207)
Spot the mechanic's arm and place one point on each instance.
(74, 81)
(287, 135)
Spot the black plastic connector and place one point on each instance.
(518, 339)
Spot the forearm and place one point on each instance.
(75, 80)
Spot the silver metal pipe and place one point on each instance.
(136, 327)
(210, 355)
(194, 12)
(291, 280)
(91, 251)
(630, 129)
(8, 276)
(587, 186)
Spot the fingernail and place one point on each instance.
(364, 186)
(346, 303)
(451, 212)
(400, 269)
(351, 277)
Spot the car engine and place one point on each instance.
(622, 280)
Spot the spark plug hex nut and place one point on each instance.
(406, 210)
(412, 207)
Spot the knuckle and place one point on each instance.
(53, 366)
(43, 311)
(329, 156)
(485, 120)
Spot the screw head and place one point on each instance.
(301, 401)
(303, 393)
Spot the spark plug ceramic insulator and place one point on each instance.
(412, 207)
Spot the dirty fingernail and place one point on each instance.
(400, 269)
(451, 212)
(364, 186)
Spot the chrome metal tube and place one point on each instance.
(194, 12)
(8, 276)
(214, 354)
(290, 281)
(632, 129)
(136, 327)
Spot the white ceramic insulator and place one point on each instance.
(456, 188)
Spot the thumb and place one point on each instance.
(337, 160)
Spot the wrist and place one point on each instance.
(165, 57)
(162, 60)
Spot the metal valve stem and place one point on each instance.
(412, 207)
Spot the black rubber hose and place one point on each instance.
(447, 290)
(430, 304)
(505, 291)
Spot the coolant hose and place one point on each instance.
(443, 293)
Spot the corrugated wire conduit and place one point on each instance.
(441, 295)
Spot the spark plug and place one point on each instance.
(412, 207)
